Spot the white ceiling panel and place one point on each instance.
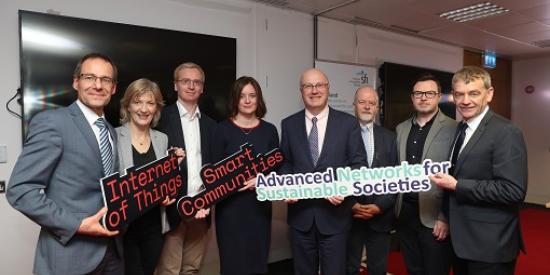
(509, 34)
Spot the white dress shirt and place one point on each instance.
(192, 136)
(472, 126)
(92, 117)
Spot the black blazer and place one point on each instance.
(170, 124)
(342, 147)
(491, 172)
(385, 154)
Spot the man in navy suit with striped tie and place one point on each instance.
(313, 140)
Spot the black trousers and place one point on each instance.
(467, 267)
(311, 250)
(112, 263)
(378, 249)
(423, 254)
(142, 252)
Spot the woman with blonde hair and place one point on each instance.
(138, 145)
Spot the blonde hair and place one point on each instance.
(472, 73)
(138, 88)
(188, 65)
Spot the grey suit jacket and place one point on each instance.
(491, 171)
(437, 147)
(55, 183)
(160, 146)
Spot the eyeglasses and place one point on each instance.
(90, 78)
(427, 94)
(318, 86)
(187, 82)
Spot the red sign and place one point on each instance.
(139, 190)
(228, 176)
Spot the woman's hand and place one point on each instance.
(249, 185)
(179, 152)
(167, 201)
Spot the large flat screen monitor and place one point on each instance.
(51, 45)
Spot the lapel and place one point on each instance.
(125, 144)
(377, 144)
(177, 131)
(155, 142)
(403, 140)
(204, 138)
(473, 140)
(302, 136)
(85, 128)
(330, 136)
(434, 130)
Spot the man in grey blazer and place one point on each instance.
(487, 183)
(421, 224)
(55, 181)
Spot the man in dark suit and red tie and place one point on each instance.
(313, 140)
(487, 183)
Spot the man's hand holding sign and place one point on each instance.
(230, 175)
(334, 185)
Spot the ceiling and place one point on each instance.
(522, 32)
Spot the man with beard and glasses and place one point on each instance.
(421, 224)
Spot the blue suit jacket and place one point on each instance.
(55, 183)
(342, 147)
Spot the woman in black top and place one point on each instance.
(243, 224)
(138, 145)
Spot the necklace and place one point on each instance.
(143, 140)
(245, 130)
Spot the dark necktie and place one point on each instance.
(105, 149)
(459, 140)
(313, 139)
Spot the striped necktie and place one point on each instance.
(313, 139)
(369, 148)
(105, 149)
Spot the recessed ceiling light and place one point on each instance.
(474, 12)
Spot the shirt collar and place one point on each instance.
(368, 126)
(184, 113)
(474, 122)
(90, 115)
(427, 123)
(321, 115)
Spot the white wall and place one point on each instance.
(277, 54)
(531, 112)
(273, 45)
(344, 42)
